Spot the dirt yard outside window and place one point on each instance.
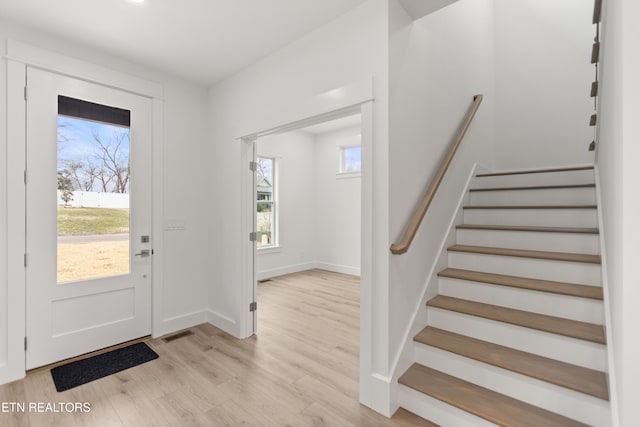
(92, 243)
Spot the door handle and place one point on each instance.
(143, 253)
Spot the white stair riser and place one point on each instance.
(437, 411)
(566, 349)
(568, 307)
(536, 179)
(564, 196)
(563, 401)
(581, 243)
(559, 271)
(533, 217)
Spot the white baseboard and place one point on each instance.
(295, 268)
(344, 269)
(223, 322)
(287, 269)
(10, 374)
(381, 400)
(183, 321)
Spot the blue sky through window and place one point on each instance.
(78, 144)
(352, 161)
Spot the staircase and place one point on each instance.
(515, 336)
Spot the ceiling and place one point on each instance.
(202, 41)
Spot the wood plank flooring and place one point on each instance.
(300, 370)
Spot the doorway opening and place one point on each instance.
(309, 186)
(308, 199)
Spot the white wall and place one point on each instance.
(4, 280)
(543, 78)
(437, 64)
(618, 154)
(337, 205)
(295, 203)
(186, 170)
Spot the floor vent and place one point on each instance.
(177, 336)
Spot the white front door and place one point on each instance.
(88, 217)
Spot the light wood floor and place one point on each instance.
(300, 370)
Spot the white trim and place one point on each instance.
(77, 68)
(295, 268)
(183, 321)
(157, 218)
(366, 256)
(266, 250)
(16, 274)
(281, 271)
(337, 268)
(332, 104)
(223, 322)
(348, 175)
(381, 391)
(611, 369)
(245, 326)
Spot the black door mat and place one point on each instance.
(84, 371)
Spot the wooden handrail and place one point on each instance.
(402, 246)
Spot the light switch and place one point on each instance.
(176, 224)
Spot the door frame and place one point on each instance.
(19, 56)
(350, 99)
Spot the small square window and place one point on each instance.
(351, 159)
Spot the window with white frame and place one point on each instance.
(350, 159)
(266, 202)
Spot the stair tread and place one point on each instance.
(563, 288)
(524, 253)
(536, 187)
(579, 230)
(532, 207)
(579, 168)
(482, 402)
(578, 378)
(555, 325)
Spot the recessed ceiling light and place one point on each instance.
(137, 1)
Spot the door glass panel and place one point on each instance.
(265, 203)
(93, 191)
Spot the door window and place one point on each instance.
(93, 174)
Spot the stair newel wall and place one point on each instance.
(405, 356)
(611, 361)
